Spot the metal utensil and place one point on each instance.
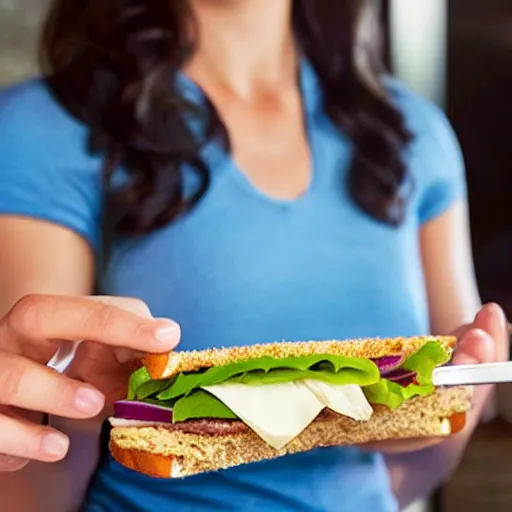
(472, 374)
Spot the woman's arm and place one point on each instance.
(40, 257)
(449, 272)
(453, 301)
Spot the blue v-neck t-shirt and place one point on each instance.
(243, 268)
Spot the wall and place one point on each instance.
(479, 106)
(19, 22)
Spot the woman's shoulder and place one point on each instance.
(434, 156)
(30, 92)
(46, 170)
(423, 117)
(29, 109)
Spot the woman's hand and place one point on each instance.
(486, 340)
(30, 335)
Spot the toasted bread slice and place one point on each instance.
(159, 451)
(164, 366)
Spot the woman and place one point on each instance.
(245, 169)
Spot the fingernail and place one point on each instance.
(169, 333)
(88, 400)
(55, 445)
(495, 308)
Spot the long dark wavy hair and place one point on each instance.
(112, 64)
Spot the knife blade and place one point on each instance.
(472, 374)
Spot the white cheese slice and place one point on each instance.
(280, 412)
(276, 412)
(348, 400)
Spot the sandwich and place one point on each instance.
(193, 412)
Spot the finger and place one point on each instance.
(135, 306)
(97, 365)
(28, 385)
(125, 355)
(492, 319)
(71, 318)
(130, 304)
(9, 464)
(21, 441)
(67, 351)
(477, 346)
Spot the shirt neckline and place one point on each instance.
(216, 156)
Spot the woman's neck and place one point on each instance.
(244, 46)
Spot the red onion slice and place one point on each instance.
(402, 377)
(141, 411)
(388, 364)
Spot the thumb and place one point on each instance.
(493, 321)
(485, 340)
(477, 346)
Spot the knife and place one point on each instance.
(472, 374)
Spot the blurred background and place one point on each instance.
(458, 53)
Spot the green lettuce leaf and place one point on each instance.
(200, 404)
(392, 394)
(343, 377)
(346, 370)
(423, 362)
(138, 379)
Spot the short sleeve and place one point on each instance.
(45, 169)
(434, 157)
